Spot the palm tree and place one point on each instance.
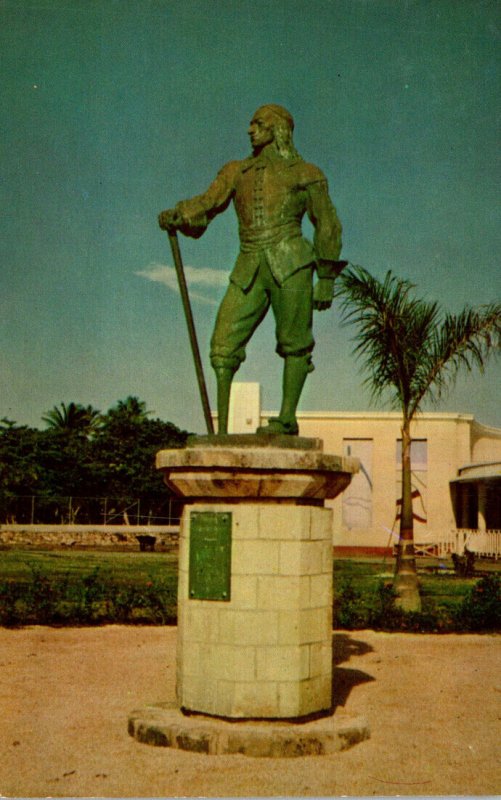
(73, 418)
(131, 411)
(412, 350)
(7, 424)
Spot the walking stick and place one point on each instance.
(178, 263)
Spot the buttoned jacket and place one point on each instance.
(271, 196)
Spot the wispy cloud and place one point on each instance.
(195, 276)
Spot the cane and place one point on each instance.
(178, 263)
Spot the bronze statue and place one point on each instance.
(271, 190)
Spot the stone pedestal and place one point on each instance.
(255, 574)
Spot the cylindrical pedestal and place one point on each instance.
(266, 650)
(255, 578)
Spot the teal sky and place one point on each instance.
(115, 109)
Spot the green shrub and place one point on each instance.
(350, 610)
(10, 597)
(384, 614)
(91, 599)
(481, 608)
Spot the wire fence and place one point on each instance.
(33, 510)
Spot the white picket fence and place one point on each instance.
(485, 544)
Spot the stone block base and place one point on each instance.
(165, 726)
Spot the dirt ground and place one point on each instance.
(433, 704)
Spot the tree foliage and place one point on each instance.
(73, 418)
(84, 453)
(410, 348)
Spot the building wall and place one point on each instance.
(486, 444)
(447, 439)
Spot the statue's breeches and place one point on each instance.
(241, 312)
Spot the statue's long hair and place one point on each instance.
(283, 126)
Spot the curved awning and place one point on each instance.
(487, 472)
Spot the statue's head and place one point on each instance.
(273, 123)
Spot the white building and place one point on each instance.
(456, 475)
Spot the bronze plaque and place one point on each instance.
(210, 555)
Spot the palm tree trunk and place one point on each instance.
(406, 580)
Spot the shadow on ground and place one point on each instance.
(343, 679)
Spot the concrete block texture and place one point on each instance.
(305, 626)
(255, 557)
(277, 522)
(266, 652)
(284, 663)
(260, 696)
(300, 698)
(248, 627)
(301, 558)
(280, 592)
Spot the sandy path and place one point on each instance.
(433, 703)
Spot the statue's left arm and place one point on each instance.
(327, 239)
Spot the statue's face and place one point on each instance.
(261, 129)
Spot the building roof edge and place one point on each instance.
(396, 415)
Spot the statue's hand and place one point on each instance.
(169, 220)
(323, 292)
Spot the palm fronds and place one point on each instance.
(408, 346)
(465, 340)
(73, 417)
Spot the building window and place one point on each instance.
(357, 498)
(419, 480)
(419, 454)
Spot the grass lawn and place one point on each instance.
(95, 587)
(118, 567)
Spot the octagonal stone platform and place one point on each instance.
(250, 466)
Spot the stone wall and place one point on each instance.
(79, 537)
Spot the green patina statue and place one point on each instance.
(271, 190)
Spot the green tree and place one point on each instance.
(19, 470)
(83, 454)
(73, 418)
(123, 453)
(65, 456)
(411, 350)
(126, 414)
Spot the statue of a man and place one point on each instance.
(271, 190)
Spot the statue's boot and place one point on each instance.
(224, 378)
(296, 369)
